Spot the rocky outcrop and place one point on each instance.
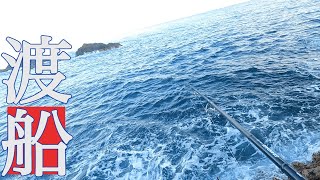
(90, 47)
(310, 170)
(6, 69)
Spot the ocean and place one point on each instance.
(133, 116)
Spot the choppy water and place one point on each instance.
(132, 117)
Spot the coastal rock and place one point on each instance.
(90, 47)
(6, 69)
(32, 66)
(310, 170)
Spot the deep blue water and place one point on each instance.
(132, 117)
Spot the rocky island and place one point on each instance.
(90, 47)
(6, 69)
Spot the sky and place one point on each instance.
(90, 21)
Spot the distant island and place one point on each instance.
(90, 47)
(6, 69)
(85, 48)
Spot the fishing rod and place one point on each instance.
(285, 167)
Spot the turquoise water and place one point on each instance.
(132, 117)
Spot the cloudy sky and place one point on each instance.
(91, 20)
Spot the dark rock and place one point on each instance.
(310, 170)
(6, 69)
(32, 66)
(90, 47)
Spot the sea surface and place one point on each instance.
(132, 115)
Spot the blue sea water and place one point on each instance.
(133, 117)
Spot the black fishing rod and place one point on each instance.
(285, 167)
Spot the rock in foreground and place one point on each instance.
(90, 47)
(310, 170)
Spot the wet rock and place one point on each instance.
(90, 47)
(310, 170)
